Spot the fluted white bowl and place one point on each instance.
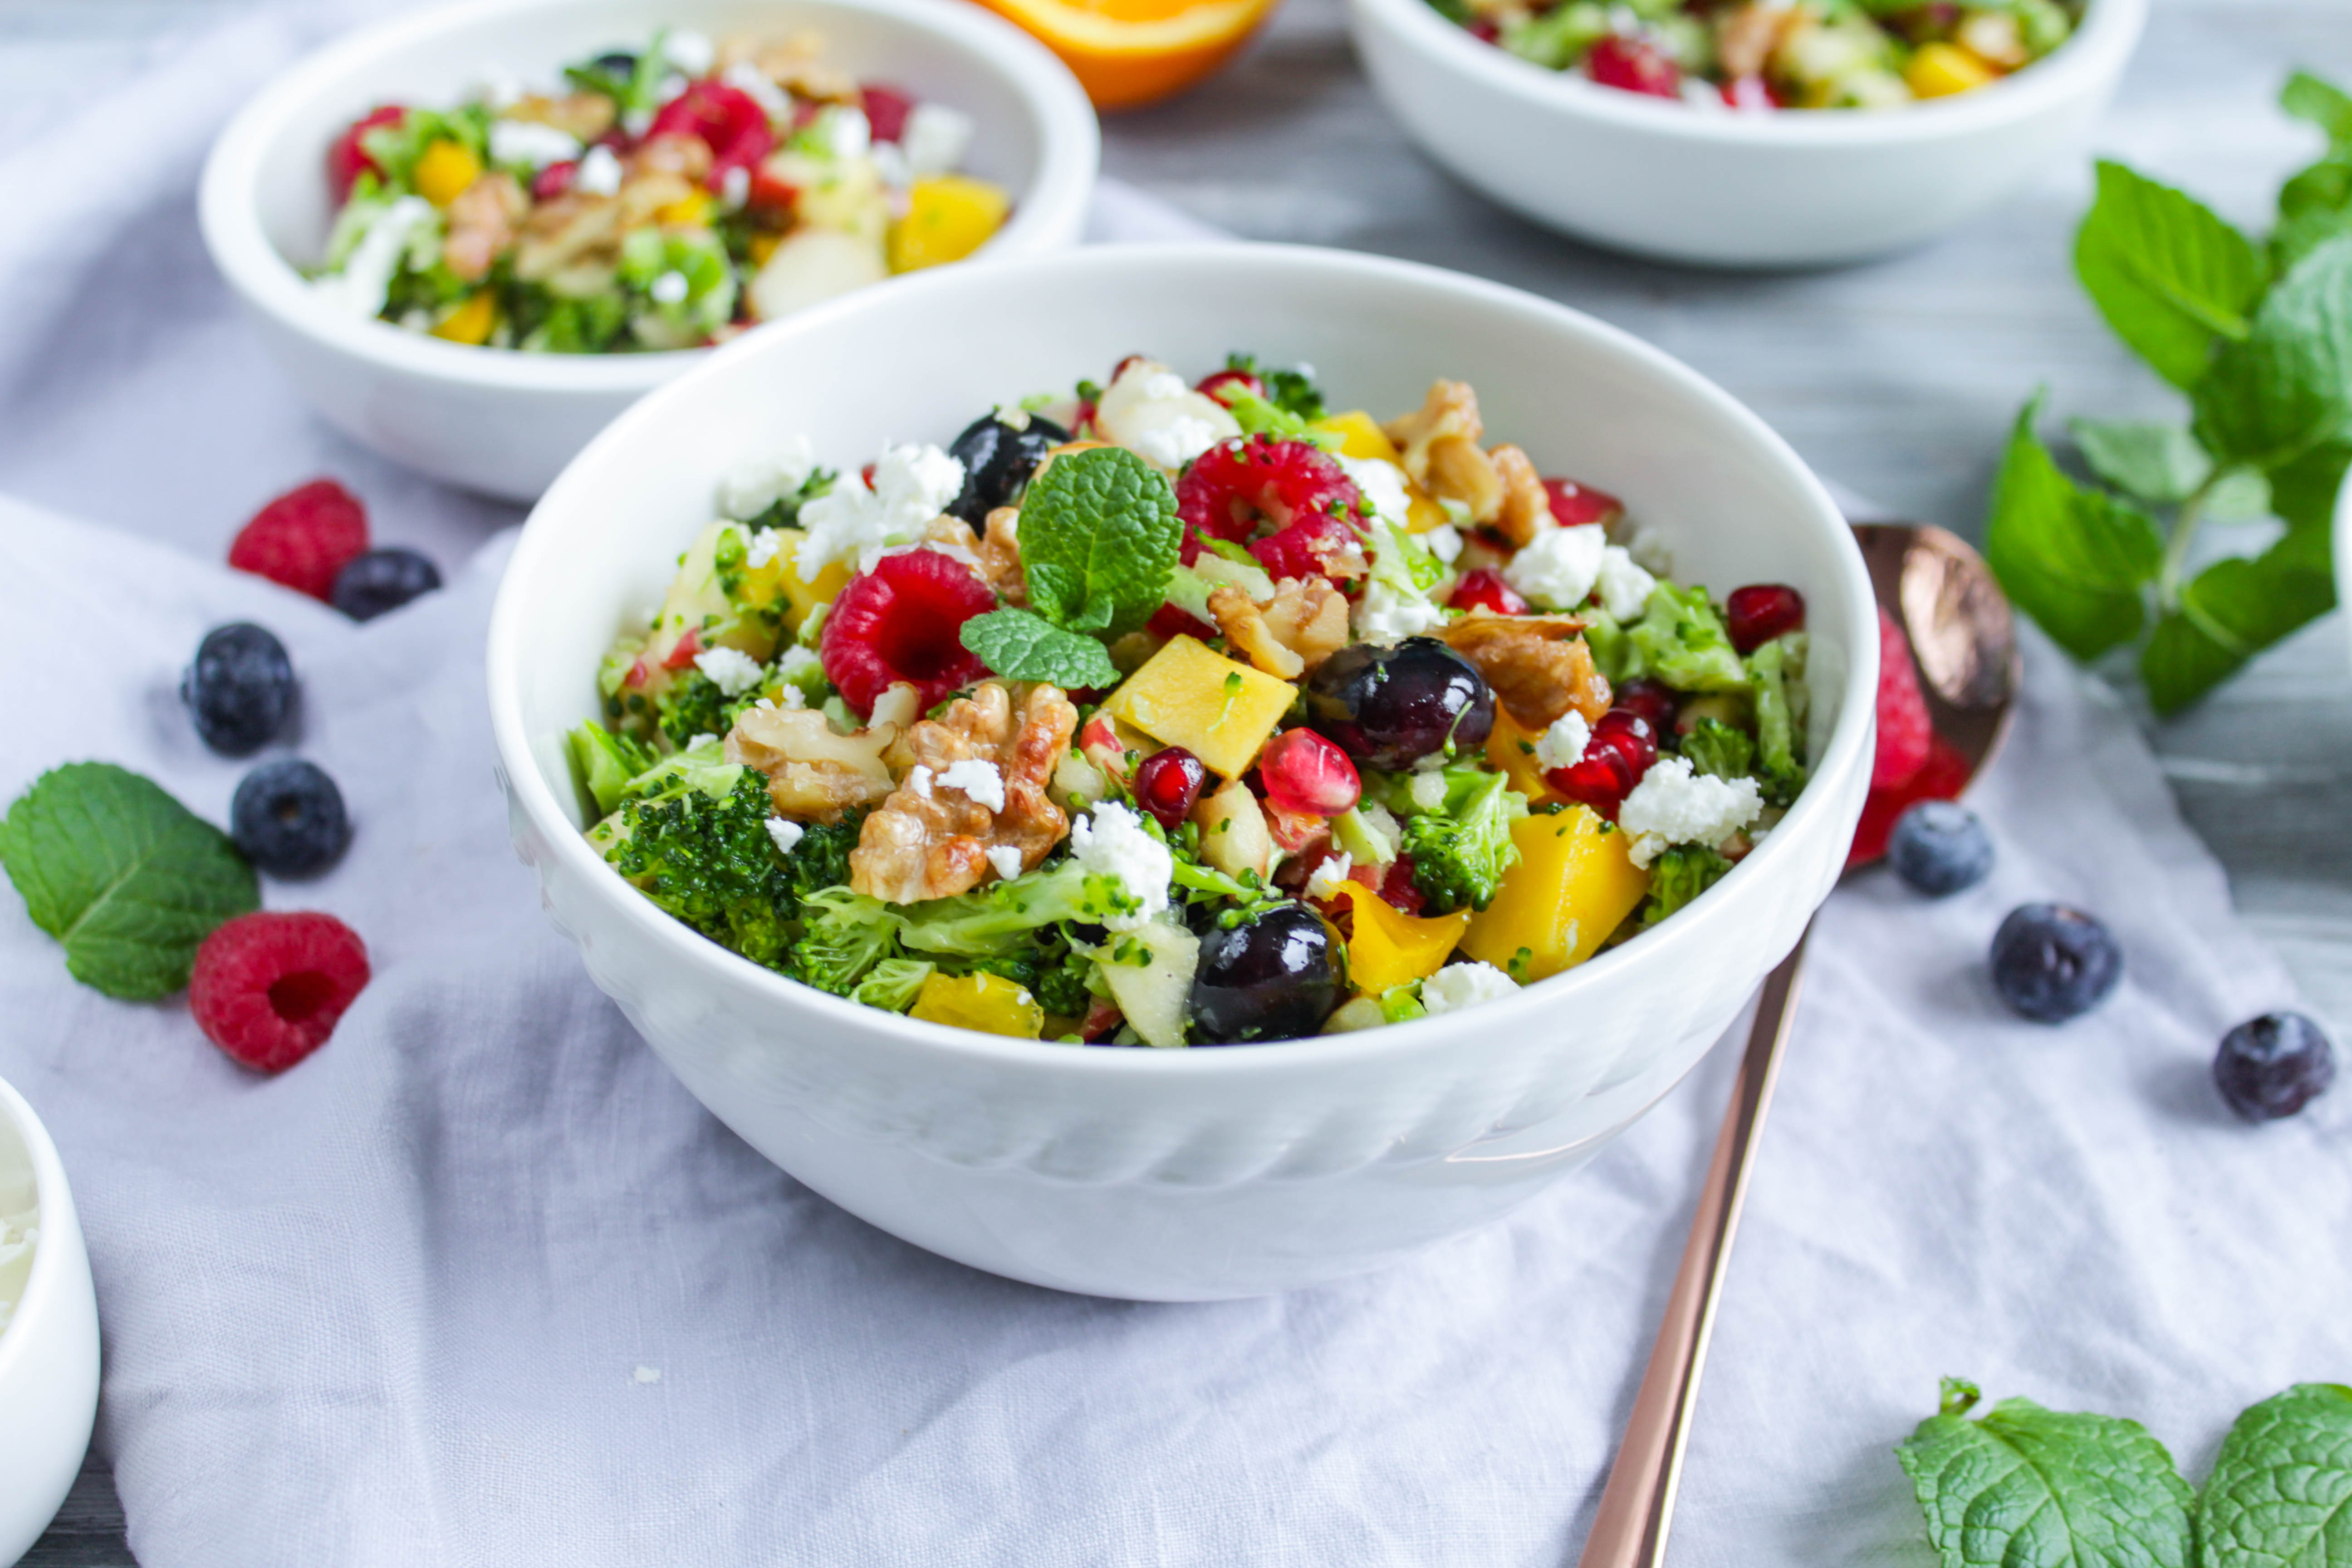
(1197, 1174)
(48, 1351)
(1801, 188)
(505, 423)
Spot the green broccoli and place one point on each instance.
(1678, 876)
(1460, 850)
(1718, 748)
(604, 763)
(894, 983)
(844, 936)
(696, 705)
(1292, 390)
(704, 855)
(1002, 917)
(821, 859)
(1059, 975)
(1681, 640)
(1776, 671)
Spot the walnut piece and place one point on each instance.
(813, 774)
(1526, 508)
(482, 222)
(930, 840)
(796, 64)
(572, 230)
(1439, 443)
(688, 157)
(1305, 622)
(995, 557)
(584, 116)
(1539, 665)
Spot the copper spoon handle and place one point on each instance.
(1637, 1507)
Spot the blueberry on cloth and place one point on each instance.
(2051, 963)
(1940, 847)
(381, 580)
(287, 817)
(240, 689)
(2273, 1066)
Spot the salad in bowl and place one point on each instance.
(1175, 712)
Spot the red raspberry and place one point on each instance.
(1903, 729)
(1573, 505)
(1941, 777)
(1290, 492)
(729, 120)
(346, 159)
(303, 538)
(268, 988)
(1634, 65)
(904, 621)
(1485, 590)
(885, 110)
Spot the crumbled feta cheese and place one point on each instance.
(1384, 615)
(844, 132)
(1460, 985)
(1444, 542)
(762, 547)
(1562, 745)
(669, 289)
(1557, 569)
(919, 779)
(785, 832)
(1149, 410)
(705, 739)
(1004, 859)
(890, 162)
(1674, 806)
(1323, 882)
(365, 279)
(1427, 790)
(751, 488)
(599, 174)
(1651, 554)
(689, 51)
(796, 663)
(735, 186)
(731, 671)
(1111, 842)
(911, 486)
(979, 780)
(1176, 442)
(755, 84)
(636, 122)
(529, 143)
(1624, 585)
(935, 138)
(1382, 484)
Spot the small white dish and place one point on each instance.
(48, 1347)
(1180, 1175)
(505, 422)
(1793, 188)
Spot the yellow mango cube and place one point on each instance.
(445, 170)
(1189, 695)
(948, 216)
(988, 1003)
(1574, 883)
(471, 321)
(1939, 70)
(691, 210)
(1391, 947)
(1360, 436)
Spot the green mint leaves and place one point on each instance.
(2165, 272)
(2022, 1486)
(2076, 559)
(127, 879)
(1099, 538)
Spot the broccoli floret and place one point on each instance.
(708, 858)
(893, 985)
(844, 936)
(821, 859)
(1714, 747)
(604, 763)
(1002, 917)
(695, 705)
(1776, 671)
(1677, 877)
(1461, 851)
(1292, 390)
(1681, 640)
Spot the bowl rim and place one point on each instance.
(1070, 150)
(1845, 753)
(2094, 53)
(51, 1195)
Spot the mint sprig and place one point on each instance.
(2167, 273)
(2074, 558)
(127, 879)
(1023, 646)
(2281, 1490)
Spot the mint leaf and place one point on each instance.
(2304, 491)
(2288, 384)
(126, 878)
(2232, 611)
(2165, 272)
(2323, 103)
(2160, 464)
(1099, 538)
(2023, 1487)
(1019, 646)
(2073, 559)
(2281, 1493)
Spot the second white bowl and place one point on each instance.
(48, 1350)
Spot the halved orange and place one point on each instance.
(1127, 53)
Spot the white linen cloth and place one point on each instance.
(479, 1283)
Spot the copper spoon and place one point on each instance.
(1964, 646)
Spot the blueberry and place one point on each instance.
(382, 580)
(618, 64)
(2051, 963)
(1273, 978)
(1938, 847)
(1389, 707)
(2273, 1066)
(998, 456)
(287, 817)
(240, 691)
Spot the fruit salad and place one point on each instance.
(1186, 713)
(659, 198)
(1776, 54)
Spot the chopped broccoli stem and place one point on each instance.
(1461, 851)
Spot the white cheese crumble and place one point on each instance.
(669, 289)
(1176, 442)
(1383, 615)
(751, 488)
(785, 832)
(762, 547)
(1674, 806)
(911, 486)
(1460, 985)
(935, 138)
(1444, 542)
(734, 186)
(979, 780)
(1382, 483)
(367, 272)
(1149, 410)
(753, 83)
(1004, 859)
(1427, 790)
(1625, 587)
(1323, 882)
(919, 779)
(890, 161)
(689, 51)
(1558, 568)
(844, 132)
(732, 671)
(599, 174)
(529, 143)
(1562, 745)
(1111, 842)
(796, 663)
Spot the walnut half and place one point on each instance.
(1539, 665)
(1439, 444)
(1305, 622)
(813, 774)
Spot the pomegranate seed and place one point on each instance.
(1622, 749)
(1761, 611)
(886, 111)
(1634, 65)
(1307, 775)
(1175, 621)
(1212, 386)
(1397, 887)
(1750, 95)
(1574, 505)
(1485, 590)
(1166, 784)
(1652, 700)
(554, 180)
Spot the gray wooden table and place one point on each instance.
(1898, 379)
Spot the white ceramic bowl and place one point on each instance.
(505, 423)
(48, 1351)
(1200, 1174)
(1801, 188)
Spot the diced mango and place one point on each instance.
(1187, 695)
(1512, 751)
(691, 210)
(988, 1003)
(948, 216)
(1360, 436)
(1391, 947)
(471, 321)
(445, 170)
(1574, 883)
(1940, 69)
(761, 246)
